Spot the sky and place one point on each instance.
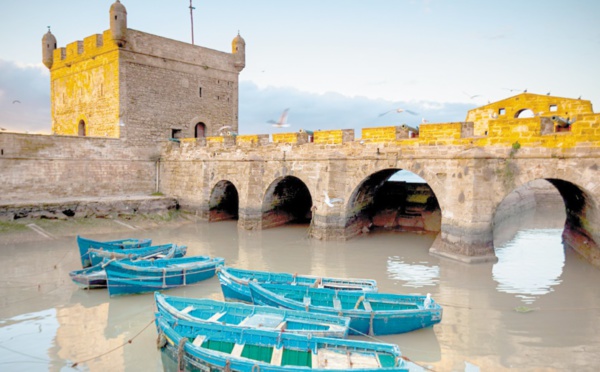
(336, 64)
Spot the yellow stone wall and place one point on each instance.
(285, 137)
(85, 86)
(215, 139)
(379, 134)
(440, 134)
(328, 136)
(540, 105)
(250, 138)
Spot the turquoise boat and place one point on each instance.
(369, 313)
(92, 277)
(234, 282)
(155, 251)
(129, 277)
(203, 346)
(85, 244)
(250, 316)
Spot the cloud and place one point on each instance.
(29, 86)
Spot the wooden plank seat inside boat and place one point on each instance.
(325, 358)
(263, 320)
(342, 359)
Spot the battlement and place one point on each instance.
(528, 132)
(80, 51)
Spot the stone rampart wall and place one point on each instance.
(39, 167)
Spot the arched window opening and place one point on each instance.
(525, 113)
(200, 130)
(81, 128)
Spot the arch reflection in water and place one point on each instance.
(414, 275)
(530, 264)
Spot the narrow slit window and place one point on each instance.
(200, 92)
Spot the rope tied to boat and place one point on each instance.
(255, 368)
(180, 347)
(360, 299)
(227, 366)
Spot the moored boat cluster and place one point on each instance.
(269, 322)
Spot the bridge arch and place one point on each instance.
(286, 200)
(223, 202)
(378, 203)
(582, 223)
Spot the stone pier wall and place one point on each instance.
(41, 167)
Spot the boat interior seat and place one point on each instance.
(199, 340)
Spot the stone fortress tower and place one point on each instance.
(140, 87)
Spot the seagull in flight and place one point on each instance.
(16, 101)
(399, 110)
(331, 202)
(471, 96)
(282, 122)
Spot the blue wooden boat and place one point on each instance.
(94, 277)
(250, 316)
(234, 282)
(369, 313)
(89, 278)
(128, 277)
(85, 244)
(203, 346)
(155, 251)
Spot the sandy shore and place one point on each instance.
(26, 229)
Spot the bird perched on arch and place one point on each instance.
(282, 122)
(399, 111)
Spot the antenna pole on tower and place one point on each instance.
(192, 19)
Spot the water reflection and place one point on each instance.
(17, 335)
(531, 264)
(413, 274)
(480, 325)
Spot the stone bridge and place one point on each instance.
(264, 183)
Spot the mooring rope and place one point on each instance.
(116, 348)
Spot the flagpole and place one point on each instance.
(192, 19)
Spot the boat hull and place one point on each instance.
(85, 244)
(251, 316)
(234, 282)
(385, 313)
(202, 347)
(132, 277)
(158, 251)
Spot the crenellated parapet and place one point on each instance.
(583, 130)
(87, 50)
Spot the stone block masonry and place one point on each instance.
(40, 167)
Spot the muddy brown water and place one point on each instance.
(536, 309)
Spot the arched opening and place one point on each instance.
(534, 226)
(81, 128)
(393, 200)
(200, 130)
(524, 113)
(224, 202)
(287, 200)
